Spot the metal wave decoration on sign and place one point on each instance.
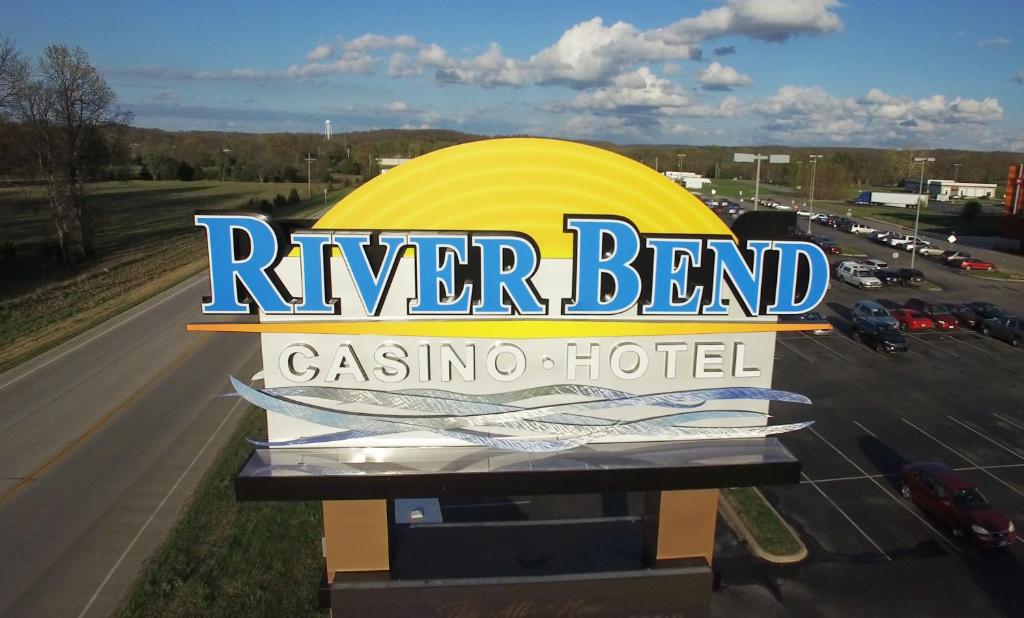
(520, 294)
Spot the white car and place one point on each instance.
(857, 275)
(874, 264)
(905, 241)
(929, 250)
(860, 228)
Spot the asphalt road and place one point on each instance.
(102, 440)
(953, 398)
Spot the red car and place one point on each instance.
(911, 320)
(954, 500)
(976, 264)
(941, 314)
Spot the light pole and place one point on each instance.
(922, 161)
(956, 172)
(814, 169)
(680, 155)
(741, 157)
(309, 174)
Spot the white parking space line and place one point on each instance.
(1008, 421)
(846, 517)
(861, 348)
(965, 458)
(983, 436)
(937, 347)
(839, 354)
(865, 429)
(895, 497)
(974, 347)
(795, 351)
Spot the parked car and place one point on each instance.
(894, 239)
(929, 250)
(827, 245)
(858, 276)
(949, 256)
(811, 317)
(880, 236)
(973, 315)
(910, 275)
(881, 337)
(910, 319)
(940, 313)
(955, 500)
(1006, 328)
(974, 264)
(889, 277)
(870, 311)
(875, 263)
(860, 228)
(900, 241)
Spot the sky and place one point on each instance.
(903, 73)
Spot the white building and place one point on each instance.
(690, 180)
(386, 164)
(945, 190)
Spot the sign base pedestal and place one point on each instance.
(604, 530)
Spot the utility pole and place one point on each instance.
(956, 172)
(681, 155)
(309, 175)
(814, 169)
(920, 187)
(656, 164)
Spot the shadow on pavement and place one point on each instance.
(885, 460)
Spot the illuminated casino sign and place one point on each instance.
(523, 294)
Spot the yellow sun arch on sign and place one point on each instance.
(525, 185)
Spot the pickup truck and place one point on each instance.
(900, 241)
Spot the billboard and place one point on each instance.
(521, 294)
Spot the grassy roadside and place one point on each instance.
(141, 253)
(226, 558)
(762, 522)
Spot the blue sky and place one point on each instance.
(868, 72)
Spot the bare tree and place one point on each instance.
(62, 108)
(13, 72)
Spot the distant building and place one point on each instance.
(387, 164)
(690, 180)
(945, 190)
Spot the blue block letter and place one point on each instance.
(249, 272)
(591, 262)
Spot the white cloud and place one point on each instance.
(490, 68)
(402, 65)
(591, 52)
(720, 77)
(372, 42)
(397, 106)
(998, 41)
(796, 113)
(320, 52)
(766, 20)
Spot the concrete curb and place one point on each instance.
(741, 530)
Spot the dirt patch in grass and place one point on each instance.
(226, 558)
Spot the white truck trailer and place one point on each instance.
(899, 200)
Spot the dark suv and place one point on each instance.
(973, 315)
(1008, 329)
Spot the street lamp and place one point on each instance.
(922, 161)
(814, 168)
(956, 171)
(680, 155)
(740, 157)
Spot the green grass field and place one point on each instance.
(229, 558)
(763, 523)
(146, 242)
(731, 188)
(985, 224)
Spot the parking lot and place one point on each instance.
(954, 398)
